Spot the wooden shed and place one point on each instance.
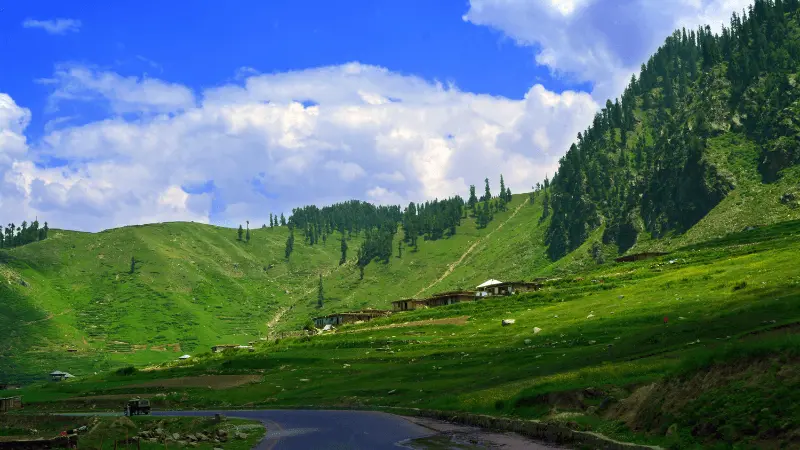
(9, 403)
(640, 256)
(349, 317)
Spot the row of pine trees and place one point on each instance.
(16, 236)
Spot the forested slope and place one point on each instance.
(708, 117)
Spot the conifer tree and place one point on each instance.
(502, 188)
(240, 233)
(133, 264)
(283, 220)
(289, 244)
(473, 200)
(247, 236)
(320, 295)
(343, 259)
(487, 195)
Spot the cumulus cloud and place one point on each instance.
(54, 26)
(123, 94)
(600, 41)
(277, 141)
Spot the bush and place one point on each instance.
(125, 371)
(740, 285)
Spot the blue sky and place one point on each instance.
(130, 112)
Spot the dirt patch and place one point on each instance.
(210, 381)
(461, 320)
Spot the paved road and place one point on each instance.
(325, 430)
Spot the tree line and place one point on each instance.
(15, 236)
(641, 165)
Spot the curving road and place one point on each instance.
(324, 430)
(360, 430)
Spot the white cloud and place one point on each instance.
(364, 132)
(600, 41)
(55, 26)
(347, 171)
(123, 94)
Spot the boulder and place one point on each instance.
(181, 443)
(175, 436)
(240, 435)
(191, 437)
(218, 448)
(537, 330)
(528, 342)
(159, 431)
(222, 432)
(507, 322)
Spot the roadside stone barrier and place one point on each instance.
(529, 428)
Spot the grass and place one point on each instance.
(102, 431)
(725, 302)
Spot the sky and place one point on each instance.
(131, 112)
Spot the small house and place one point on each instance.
(349, 317)
(449, 298)
(640, 256)
(441, 299)
(408, 304)
(60, 376)
(222, 347)
(9, 403)
(494, 287)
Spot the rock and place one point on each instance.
(392, 391)
(621, 296)
(181, 443)
(176, 436)
(592, 342)
(590, 316)
(240, 435)
(152, 440)
(591, 410)
(23, 282)
(191, 437)
(218, 448)
(537, 330)
(528, 342)
(672, 430)
(215, 440)
(201, 437)
(508, 322)
(222, 432)
(159, 431)
(193, 444)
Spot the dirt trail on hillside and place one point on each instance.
(279, 315)
(455, 264)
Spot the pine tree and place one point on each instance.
(343, 259)
(240, 233)
(502, 188)
(473, 200)
(247, 236)
(487, 195)
(289, 244)
(271, 223)
(508, 194)
(133, 264)
(320, 295)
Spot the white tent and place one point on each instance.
(185, 357)
(488, 283)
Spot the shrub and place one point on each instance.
(125, 371)
(740, 285)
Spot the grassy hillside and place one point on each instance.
(722, 369)
(195, 285)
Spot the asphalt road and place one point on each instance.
(324, 430)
